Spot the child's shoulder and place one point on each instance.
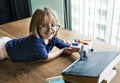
(55, 38)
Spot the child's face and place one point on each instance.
(48, 29)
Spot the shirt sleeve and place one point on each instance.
(60, 44)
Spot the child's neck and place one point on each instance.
(46, 41)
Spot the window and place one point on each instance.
(98, 19)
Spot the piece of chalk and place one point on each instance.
(81, 52)
(75, 44)
(58, 81)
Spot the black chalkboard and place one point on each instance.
(92, 66)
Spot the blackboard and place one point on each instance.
(92, 66)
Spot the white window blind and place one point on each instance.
(98, 19)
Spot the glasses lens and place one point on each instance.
(55, 28)
(52, 27)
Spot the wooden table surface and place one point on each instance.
(36, 71)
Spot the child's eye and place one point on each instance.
(45, 25)
(52, 25)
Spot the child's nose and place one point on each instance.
(49, 29)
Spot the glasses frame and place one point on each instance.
(46, 28)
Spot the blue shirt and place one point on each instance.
(31, 48)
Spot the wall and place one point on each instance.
(56, 5)
(11, 10)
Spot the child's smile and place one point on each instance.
(49, 34)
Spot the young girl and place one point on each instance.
(43, 29)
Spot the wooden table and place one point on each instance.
(35, 71)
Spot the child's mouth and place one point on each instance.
(49, 33)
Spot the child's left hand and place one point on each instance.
(75, 48)
(67, 50)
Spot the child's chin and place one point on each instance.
(50, 37)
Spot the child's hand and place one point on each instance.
(75, 48)
(67, 50)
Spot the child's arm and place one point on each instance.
(53, 55)
(74, 48)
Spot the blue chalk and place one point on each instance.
(75, 44)
(58, 81)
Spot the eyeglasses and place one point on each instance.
(46, 27)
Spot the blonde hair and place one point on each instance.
(38, 19)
